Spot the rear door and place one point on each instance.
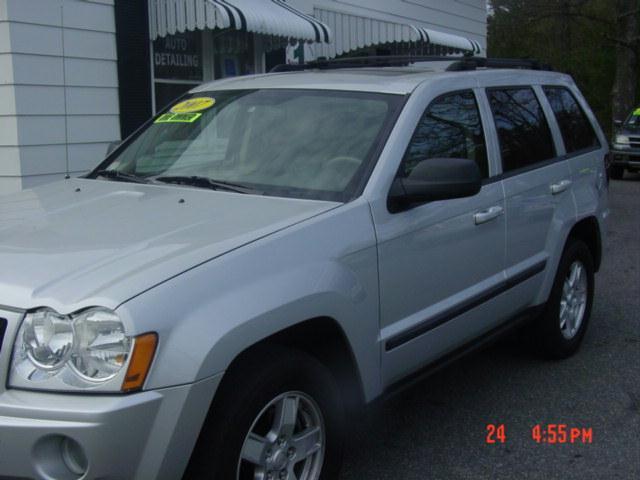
(581, 147)
(537, 186)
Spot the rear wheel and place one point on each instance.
(617, 172)
(562, 326)
(279, 417)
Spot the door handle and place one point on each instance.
(488, 215)
(560, 187)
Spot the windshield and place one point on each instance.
(633, 122)
(295, 143)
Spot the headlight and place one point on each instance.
(47, 339)
(88, 350)
(622, 139)
(102, 348)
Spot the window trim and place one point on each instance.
(583, 151)
(540, 164)
(505, 175)
(378, 148)
(529, 168)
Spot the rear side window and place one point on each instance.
(449, 128)
(577, 131)
(523, 131)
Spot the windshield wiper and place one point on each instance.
(120, 176)
(206, 182)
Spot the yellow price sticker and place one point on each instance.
(193, 105)
(636, 112)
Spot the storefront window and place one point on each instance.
(186, 60)
(234, 54)
(178, 66)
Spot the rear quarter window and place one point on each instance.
(523, 131)
(577, 131)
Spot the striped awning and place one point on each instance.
(352, 32)
(447, 40)
(267, 17)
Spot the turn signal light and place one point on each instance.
(143, 351)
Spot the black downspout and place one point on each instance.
(134, 63)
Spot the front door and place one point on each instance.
(440, 262)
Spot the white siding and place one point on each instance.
(6, 68)
(37, 69)
(58, 88)
(7, 101)
(91, 73)
(8, 130)
(31, 159)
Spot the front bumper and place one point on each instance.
(147, 435)
(627, 158)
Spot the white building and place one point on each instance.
(76, 75)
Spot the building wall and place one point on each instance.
(58, 88)
(467, 18)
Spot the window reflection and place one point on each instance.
(294, 143)
(524, 134)
(450, 128)
(577, 131)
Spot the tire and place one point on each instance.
(617, 172)
(244, 404)
(549, 337)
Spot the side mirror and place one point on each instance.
(436, 179)
(112, 146)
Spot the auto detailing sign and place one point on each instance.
(178, 57)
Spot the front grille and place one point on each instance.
(3, 328)
(635, 142)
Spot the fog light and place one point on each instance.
(59, 457)
(73, 456)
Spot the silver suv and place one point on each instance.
(271, 253)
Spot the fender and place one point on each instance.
(554, 260)
(207, 316)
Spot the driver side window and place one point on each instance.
(449, 128)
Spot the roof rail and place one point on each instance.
(458, 63)
(472, 63)
(362, 62)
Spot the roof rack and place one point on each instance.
(362, 62)
(458, 63)
(472, 63)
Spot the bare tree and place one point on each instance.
(627, 58)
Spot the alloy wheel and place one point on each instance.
(573, 302)
(285, 442)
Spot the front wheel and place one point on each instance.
(558, 333)
(279, 417)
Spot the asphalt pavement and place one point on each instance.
(437, 429)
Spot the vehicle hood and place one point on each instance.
(82, 242)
